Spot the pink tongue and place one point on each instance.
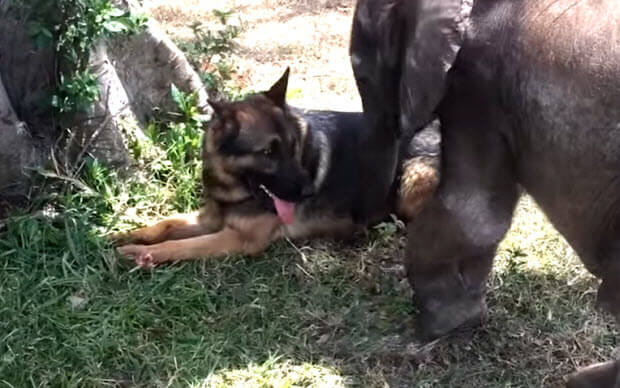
(285, 209)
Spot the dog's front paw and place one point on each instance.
(141, 254)
(120, 238)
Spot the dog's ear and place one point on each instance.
(277, 93)
(227, 126)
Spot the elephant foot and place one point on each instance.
(438, 318)
(601, 375)
(608, 298)
(451, 295)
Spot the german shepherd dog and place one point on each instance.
(271, 170)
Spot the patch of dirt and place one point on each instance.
(310, 36)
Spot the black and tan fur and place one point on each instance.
(261, 148)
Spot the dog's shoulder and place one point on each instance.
(332, 158)
(333, 123)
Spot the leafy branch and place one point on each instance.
(72, 28)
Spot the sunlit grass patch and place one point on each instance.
(277, 374)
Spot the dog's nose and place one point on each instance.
(307, 191)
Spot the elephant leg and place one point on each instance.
(448, 294)
(608, 297)
(601, 375)
(378, 152)
(452, 242)
(448, 270)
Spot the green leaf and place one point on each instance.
(115, 26)
(177, 97)
(117, 12)
(55, 101)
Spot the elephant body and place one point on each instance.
(528, 96)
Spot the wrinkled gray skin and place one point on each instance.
(528, 95)
(601, 375)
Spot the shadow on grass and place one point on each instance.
(73, 314)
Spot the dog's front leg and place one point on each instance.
(181, 226)
(209, 245)
(250, 240)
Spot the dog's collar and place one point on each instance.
(323, 162)
(318, 140)
(302, 124)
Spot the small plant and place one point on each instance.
(218, 42)
(210, 52)
(77, 93)
(72, 28)
(188, 106)
(170, 155)
(182, 141)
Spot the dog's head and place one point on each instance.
(259, 144)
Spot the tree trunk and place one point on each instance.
(17, 150)
(134, 74)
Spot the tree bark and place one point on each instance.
(134, 74)
(17, 151)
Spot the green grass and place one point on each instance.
(73, 314)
